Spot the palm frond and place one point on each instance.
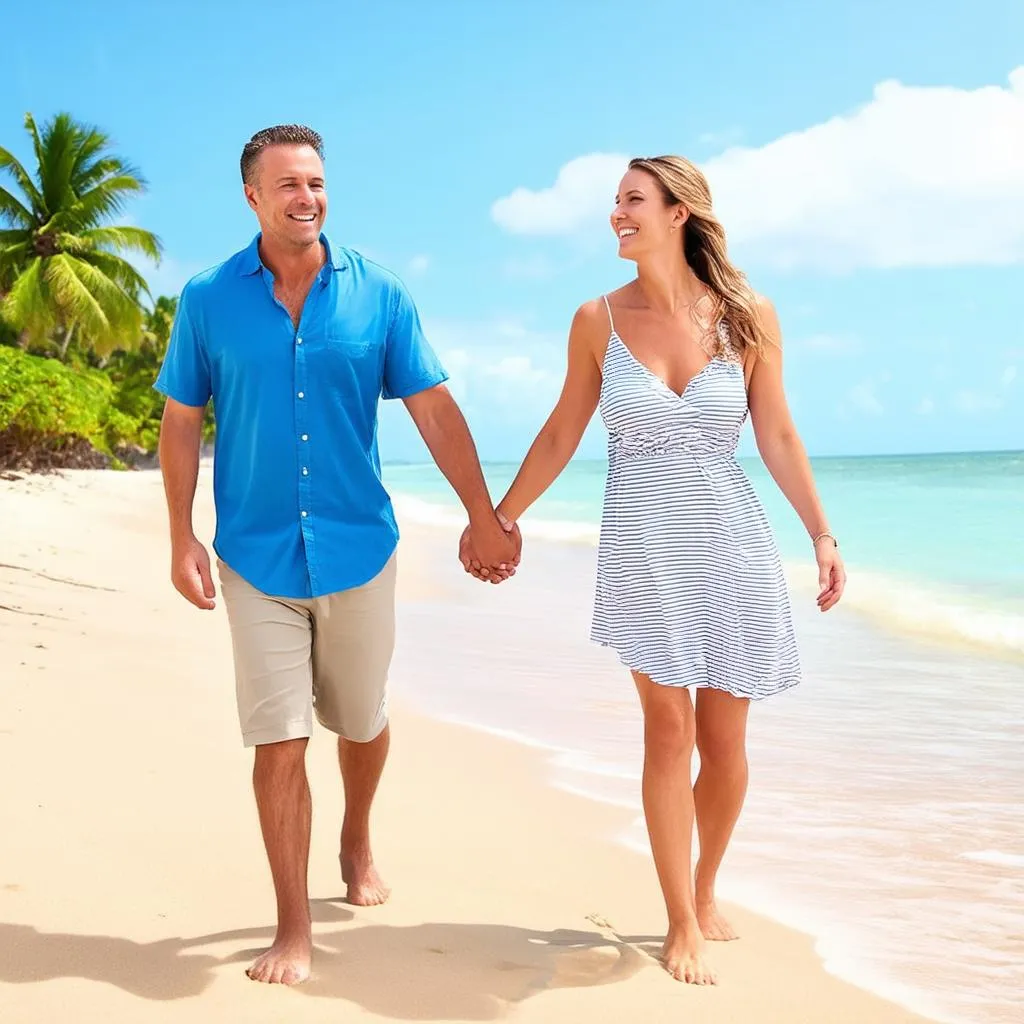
(9, 162)
(55, 152)
(125, 238)
(120, 308)
(15, 254)
(15, 249)
(26, 307)
(12, 210)
(77, 302)
(91, 141)
(106, 199)
(121, 272)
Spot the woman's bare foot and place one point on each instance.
(287, 962)
(365, 886)
(713, 925)
(683, 956)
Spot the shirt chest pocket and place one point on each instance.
(354, 358)
(348, 346)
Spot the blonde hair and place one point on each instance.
(705, 251)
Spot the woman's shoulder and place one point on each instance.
(596, 311)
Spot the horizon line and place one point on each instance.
(859, 455)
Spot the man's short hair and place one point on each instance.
(279, 135)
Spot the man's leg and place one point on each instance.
(361, 768)
(354, 638)
(272, 642)
(285, 810)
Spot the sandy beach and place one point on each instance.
(133, 884)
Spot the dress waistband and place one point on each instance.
(694, 441)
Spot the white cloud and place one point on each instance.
(581, 194)
(917, 176)
(925, 407)
(419, 265)
(516, 369)
(974, 403)
(1009, 375)
(500, 361)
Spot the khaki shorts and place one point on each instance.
(294, 656)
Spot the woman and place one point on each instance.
(690, 590)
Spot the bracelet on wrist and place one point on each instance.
(822, 536)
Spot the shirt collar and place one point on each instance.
(250, 262)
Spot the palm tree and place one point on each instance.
(156, 330)
(62, 268)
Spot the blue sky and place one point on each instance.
(867, 161)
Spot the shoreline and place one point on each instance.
(511, 895)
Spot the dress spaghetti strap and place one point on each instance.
(611, 322)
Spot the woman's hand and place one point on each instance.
(831, 572)
(477, 558)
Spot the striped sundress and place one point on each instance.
(690, 589)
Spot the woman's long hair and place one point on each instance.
(705, 251)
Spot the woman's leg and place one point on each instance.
(718, 795)
(669, 730)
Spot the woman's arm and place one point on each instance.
(561, 434)
(783, 453)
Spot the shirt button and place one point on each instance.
(305, 471)
(305, 437)
(304, 513)
(302, 394)
(298, 341)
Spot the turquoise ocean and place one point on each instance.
(937, 541)
(886, 810)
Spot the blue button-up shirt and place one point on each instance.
(301, 509)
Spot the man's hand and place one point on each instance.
(491, 552)
(190, 573)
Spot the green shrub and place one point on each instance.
(52, 414)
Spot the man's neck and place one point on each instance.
(290, 265)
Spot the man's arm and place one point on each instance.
(444, 429)
(181, 432)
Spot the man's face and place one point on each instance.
(289, 195)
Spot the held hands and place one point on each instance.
(490, 550)
(831, 573)
(190, 573)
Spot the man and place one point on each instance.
(296, 340)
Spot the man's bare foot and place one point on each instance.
(365, 886)
(287, 962)
(713, 925)
(683, 956)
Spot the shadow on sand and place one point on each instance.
(433, 971)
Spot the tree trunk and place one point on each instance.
(66, 343)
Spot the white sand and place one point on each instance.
(133, 885)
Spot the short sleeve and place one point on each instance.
(185, 373)
(410, 364)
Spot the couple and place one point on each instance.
(296, 339)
